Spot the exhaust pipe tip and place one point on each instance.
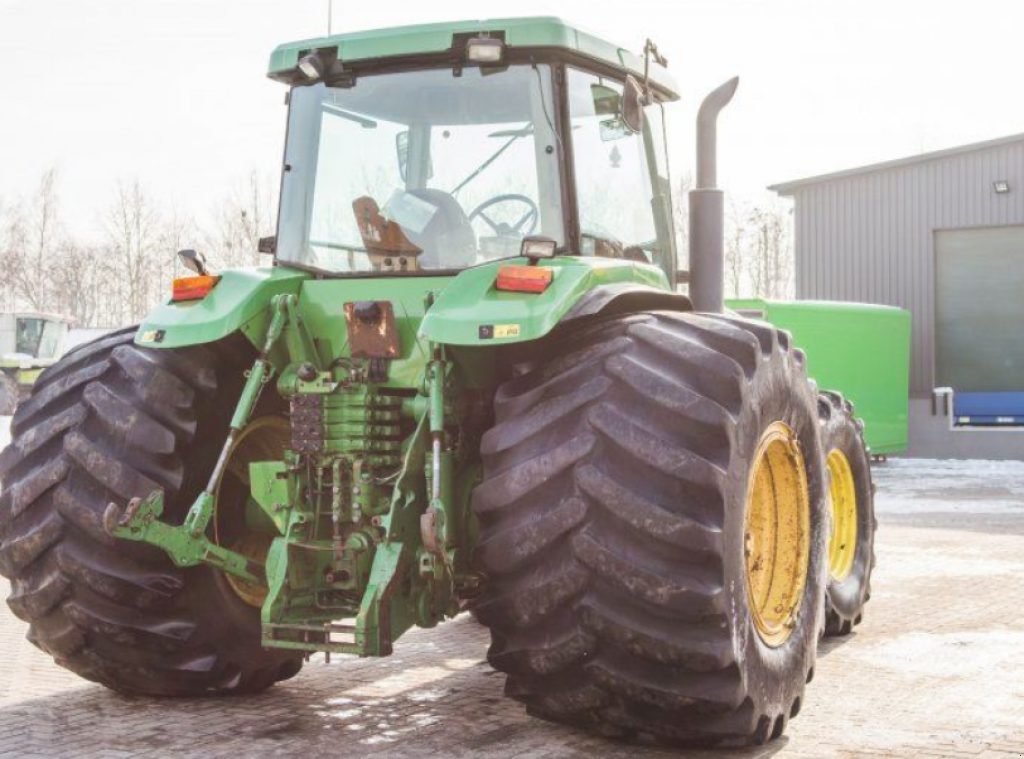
(707, 133)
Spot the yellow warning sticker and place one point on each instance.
(506, 330)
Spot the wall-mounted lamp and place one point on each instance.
(1001, 186)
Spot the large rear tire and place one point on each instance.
(626, 487)
(108, 422)
(851, 496)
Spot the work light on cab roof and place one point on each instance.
(485, 50)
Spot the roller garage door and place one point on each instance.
(979, 323)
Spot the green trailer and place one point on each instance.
(861, 350)
(470, 380)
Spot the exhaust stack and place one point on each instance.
(707, 208)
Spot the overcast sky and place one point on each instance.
(174, 91)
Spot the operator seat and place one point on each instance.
(448, 240)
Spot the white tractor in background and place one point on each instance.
(29, 342)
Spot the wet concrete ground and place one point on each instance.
(936, 670)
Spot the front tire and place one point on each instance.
(616, 536)
(108, 422)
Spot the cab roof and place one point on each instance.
(425, 39)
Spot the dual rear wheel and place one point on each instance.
(655, 521)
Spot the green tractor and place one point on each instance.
(29, 342)
(469, 381)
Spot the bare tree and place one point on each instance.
(245, 215)
(121, 279)
(735, 250)
(132, 226)
(31, 239)
(771, 257)
(79, 286)
(681, 216)
(178, 231)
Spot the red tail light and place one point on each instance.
(524, 279)
(193, 288)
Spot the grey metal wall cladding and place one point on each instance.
(870, 236)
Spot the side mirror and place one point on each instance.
(402, 149)
(633, 101)
(194, 260)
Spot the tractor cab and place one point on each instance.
(458, 146)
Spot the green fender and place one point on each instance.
(240, 301)
(472, 311)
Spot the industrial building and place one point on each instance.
(940, 234)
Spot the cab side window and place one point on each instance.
(613, 179)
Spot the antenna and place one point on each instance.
(330, 16)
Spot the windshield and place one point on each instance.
(420, 170)
(29, 332)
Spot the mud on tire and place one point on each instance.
(612, 530)
(842, 431)
(110, 421)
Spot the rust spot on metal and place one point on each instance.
(429, 530)
(372, 330)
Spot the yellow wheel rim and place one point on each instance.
(263, 439)
(253, 546)
(842, 547)
(777, 534)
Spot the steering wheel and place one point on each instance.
(503, 229)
